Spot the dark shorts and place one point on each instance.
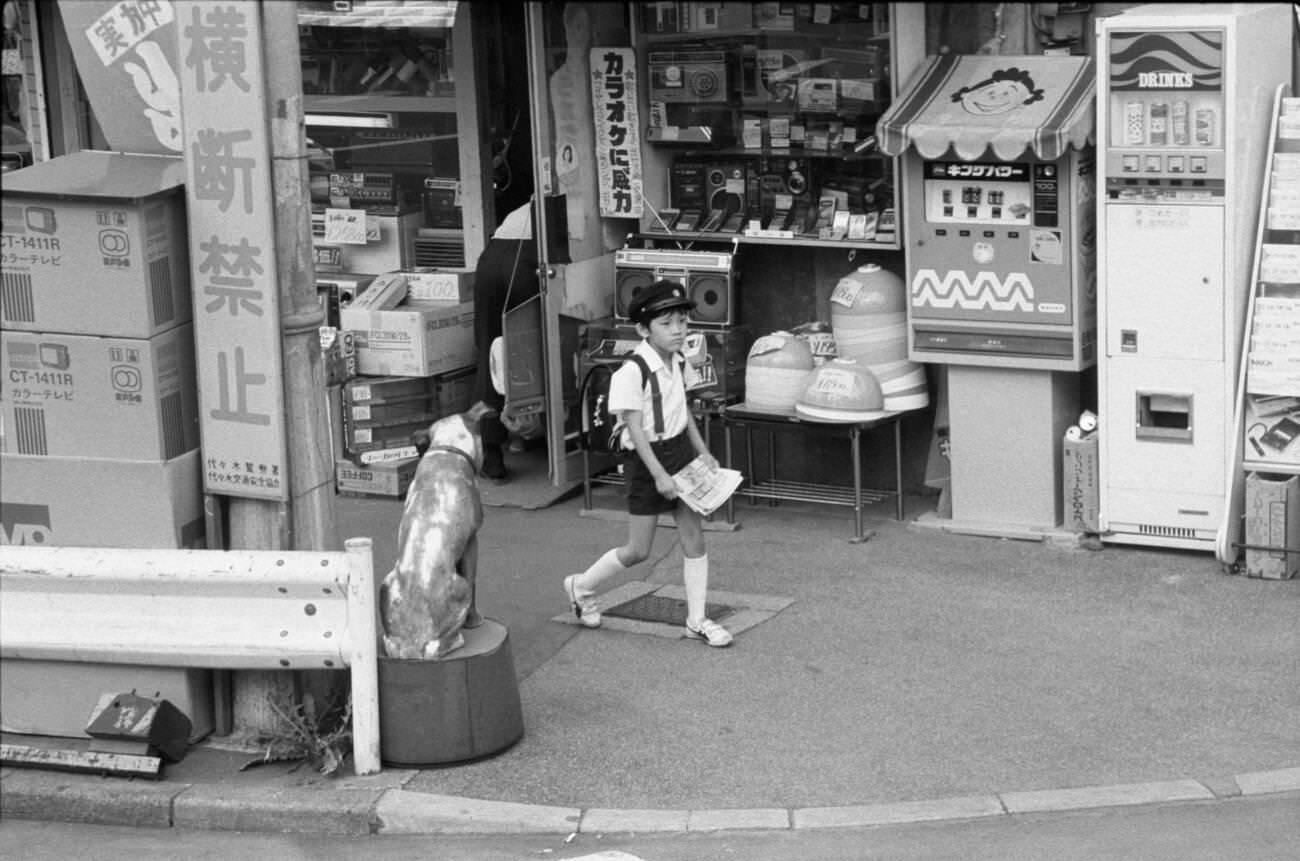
(642, 497)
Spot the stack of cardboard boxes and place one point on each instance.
(99, 433)
(409, 339)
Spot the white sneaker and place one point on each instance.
(710, 632)
(584, 608)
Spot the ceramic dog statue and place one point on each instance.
(429, 595)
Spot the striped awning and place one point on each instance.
(977, 102)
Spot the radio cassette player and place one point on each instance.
(708, 277)
(696, 76)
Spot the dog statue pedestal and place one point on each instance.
(461, 707)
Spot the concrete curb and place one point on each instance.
(1088, 797)
(57, 797)
(351, 810)
(1269, 782)
(346, 812)
(404, 812)
(970, 807)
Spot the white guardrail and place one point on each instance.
(219, 609)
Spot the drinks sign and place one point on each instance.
(232, 248)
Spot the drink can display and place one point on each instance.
(1135, 121)
(1180, 123)
(1159, 123)
(1205, 122)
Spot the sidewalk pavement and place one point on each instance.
(921, 675)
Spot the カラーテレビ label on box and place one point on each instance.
(416, 339)
(98, 502)
(1272, 526)
(84, 396)
(95, 243)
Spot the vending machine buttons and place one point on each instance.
(1154, 164)
(1130, 164)
(1199, 164)
(1176, 164)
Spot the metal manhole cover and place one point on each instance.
(658, 608)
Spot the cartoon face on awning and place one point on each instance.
(1005, 90)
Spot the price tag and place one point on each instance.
(345, 226)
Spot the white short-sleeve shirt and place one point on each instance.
(628, 391)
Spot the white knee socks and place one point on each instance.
(695, 576)
(601, 570)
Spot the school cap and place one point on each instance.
(663, 295)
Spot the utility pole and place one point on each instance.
(307, 520)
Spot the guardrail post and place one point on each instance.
(362, 608)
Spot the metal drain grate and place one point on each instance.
(669, 611)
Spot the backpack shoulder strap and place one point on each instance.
(656, 398)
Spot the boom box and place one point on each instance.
(698, 76)
(707, 276)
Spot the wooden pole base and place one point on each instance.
(464, 706)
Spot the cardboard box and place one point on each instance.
(1081, 484)
(384, 292)
(95, 243)
(87, 396)
(426, 284)
(372, 437)
(416, 339)
(58, 697)
(455, 391)
(384, 389)
(91, 502)
(380, 479)
(1272, 521)
(370, 414)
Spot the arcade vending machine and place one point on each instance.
(1184, 94)
(999, 211)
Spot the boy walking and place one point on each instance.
(658, 440)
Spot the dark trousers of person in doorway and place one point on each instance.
(502, 262)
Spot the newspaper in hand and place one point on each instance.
(703, 488)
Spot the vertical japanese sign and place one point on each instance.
(232, 249)
(125, 51)
(618, 131)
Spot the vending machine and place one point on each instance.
(999, 214)
(1184, 92)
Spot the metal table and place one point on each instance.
(739, 416)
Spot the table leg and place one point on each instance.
(771, 466)
(726, 445)
(898, 467)
(749, 459)
(855, 443)
(586, 479)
